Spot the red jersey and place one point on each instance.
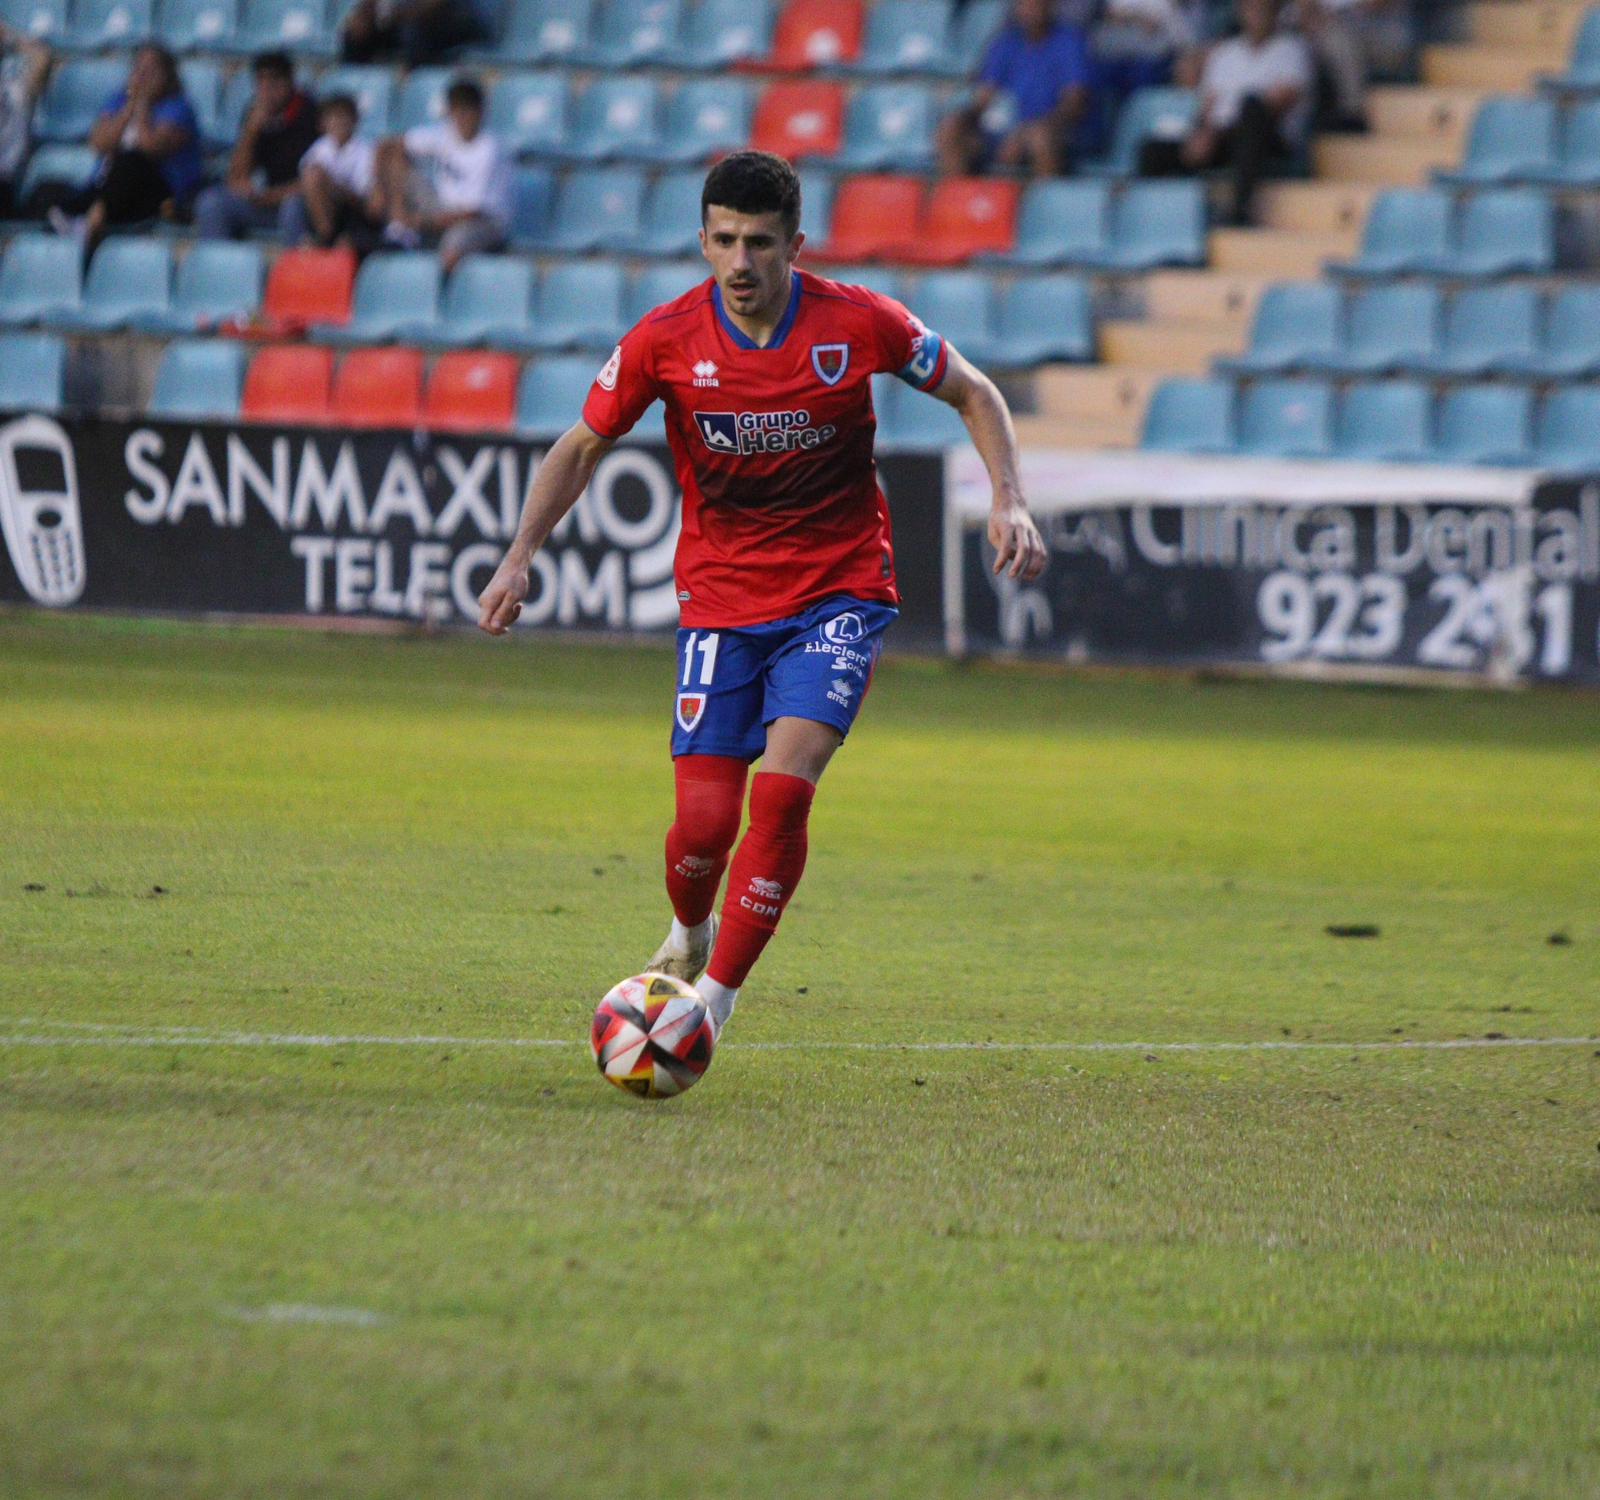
(773, 444)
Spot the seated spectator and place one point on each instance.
(1137, 44)
(149, 145)
(418, 32)
(1255, 106)
(1351, 38)
(264, 170)
(336, 182)
(24, 67)
(1032, 93)
(450, 182)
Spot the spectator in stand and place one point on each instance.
(1032, 94)
(336, 182)
(24, 67)
(450, 182)
(1351, 38)
(1137, 44)
(418, 32)
(264, 170)
(1255, 106)
(148, 140)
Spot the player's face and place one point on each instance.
(750, 257)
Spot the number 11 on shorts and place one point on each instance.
(706, 645)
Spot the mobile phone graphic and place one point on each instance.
(39, 511)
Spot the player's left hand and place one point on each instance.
(1019, 550)
(501, 603)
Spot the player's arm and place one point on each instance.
(561, 478)
(1019, 549)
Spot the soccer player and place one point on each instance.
(785, 565)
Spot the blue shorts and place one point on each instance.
(815, 665)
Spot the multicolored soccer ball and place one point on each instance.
(652, 1036)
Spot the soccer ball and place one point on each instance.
(652, 1036)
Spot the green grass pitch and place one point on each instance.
(839, 1266)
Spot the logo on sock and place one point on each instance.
(691, 708)
(693, 866)
(767, 894)
(760, 887)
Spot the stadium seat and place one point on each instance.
(658, 284)
(43, 20)
(617, 117)
(199, 378)
(484, 294)
(1510, 139)
(1294, 325)
(1042, 318)
(596, 207)
(1498, 233)
(800, 118)
(128, 276)
(32, 372)
(1155, 224)
(872, 216)
(888, 128)
(41, 276)
(203, 83)
(1485, 424)
(971, 31)
(551, 393)
(288, 383)
(96, 25)
(884, 280)
(578, 306)
(532, 192)
(1567, 433)
(634, 35)
(1163, 114)
(196, 25)
(300, 26)
(1570, 346)
(216, 283)
(471, 391)
(73, 98)
(960, 306)
(1577, 163)
(530, 112)
(392, 291)
(909, 419)
(308, 286)
(905, 36)
(74, 165)
(378, 388)
(703, 120)
(816, 209)
(1286, 419)
(718, 34)
(1060, 223)
(1405, 229)
(421, 98)
(813, 34)
(1384, 421)
(1388, 328)
(1189, 416)
(237, 94)
(1583, 63)
(964, 217)
(372, 88)
(1483, 327)
(671, 217)
(543, 31)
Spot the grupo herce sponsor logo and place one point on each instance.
(739, 433)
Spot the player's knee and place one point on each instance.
(710, 795)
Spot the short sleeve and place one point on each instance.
(625, 386)
(907, 347)
(423, 141)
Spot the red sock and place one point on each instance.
(710, 799)
(766, 870)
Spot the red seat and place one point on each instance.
(470, 391)
(288, 383)
(873, 218)
(378, 388)
(966, 216)
(799, 118)
(816, 34)
(309, 286)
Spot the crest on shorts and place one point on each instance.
(691, 708)
(830, 361)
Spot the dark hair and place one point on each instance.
(346, 102)
(464, 93)
(172, 83)
(754, 182)
(273, 65)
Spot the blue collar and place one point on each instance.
(779, 334)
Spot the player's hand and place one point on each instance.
(1019, 550)
(501, 603)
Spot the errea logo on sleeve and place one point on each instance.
(607, 378)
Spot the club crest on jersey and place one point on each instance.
(691, 709)
(830, 361)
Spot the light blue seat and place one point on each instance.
(33, 370)
(1060, 223)
(969, 36)
(596, 207)
(1570, 346)
(1154, 224)
(371, 86)
(884, 280)
(202, 82)
(1189, 415)
(634, 33)
(551, 393)
(1286, 419)
(532, 193)
(1577, 163)
(238, 94)
(300, 26)
(913, 420)
(1510, 138)
(216, 282)
(1384, 421)
(1483, 327)
(1485, 424)
(530, 112)
(960, 306)
(392, 292)
(658, 284)
(1159, 114)
(704, 119)
(816, 207)
(1388, 328)
(77, 92)
(616, 117)
(485, 294)
(128, 278)
(41, 275)
(421, 98)
(1405, 229)
(1043, 318)
(578, 306)
(1583, 64)
(718, 33)
(1567, 433)
(196, 25)
(1500, 232)
(544, 31)
(888, 127)
(74, 165)
(671, 217)
(1294, 325)
(97, 25)
(43, 20)
(199, 378)
(905, 36)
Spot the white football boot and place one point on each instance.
(685, 961)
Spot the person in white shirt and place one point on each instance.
(336, 182)
(450, 181)
(1350, 38)
(1255, 106)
